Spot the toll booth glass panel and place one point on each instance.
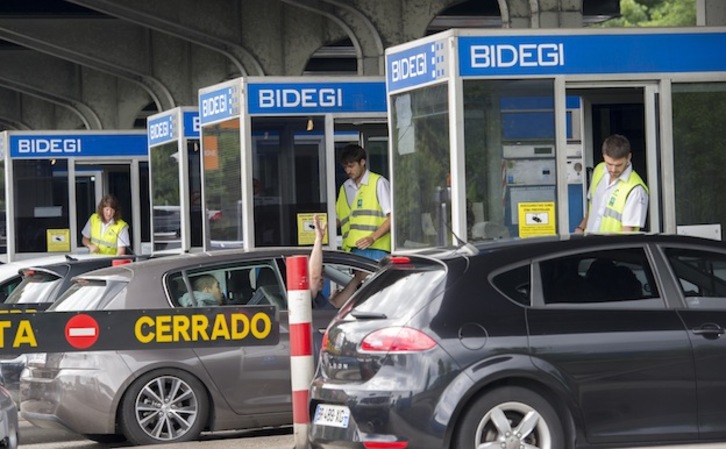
(288, 167)
(699, 151)
(509, 132)
(164, 166)
(41, 202)
(223, 180)
(195, 194)
(421, 161)
(3, 212)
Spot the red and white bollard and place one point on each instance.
(300, 317)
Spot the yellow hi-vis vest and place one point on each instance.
(108, 242)
(364, 217)
(612, 220)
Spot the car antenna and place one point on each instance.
(70, 258)
(464, 246)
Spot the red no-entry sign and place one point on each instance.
(81, 331)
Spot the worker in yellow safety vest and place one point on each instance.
(364, 207)
(105, 233)
(618, 197)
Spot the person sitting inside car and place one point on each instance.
(206, 293)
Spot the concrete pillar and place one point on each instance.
(710, 13)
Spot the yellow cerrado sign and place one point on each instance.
(29, 330)
(197, 327)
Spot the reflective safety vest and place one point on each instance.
(108, 242)
(612, 220)
(364, 217)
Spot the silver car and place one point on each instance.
(8, 420)
(171, 395)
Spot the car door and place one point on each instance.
(600, 323)
(255, 380)
(700, 275)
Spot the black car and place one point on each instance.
(548, 343)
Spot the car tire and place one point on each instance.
(164, 406)
(499, 416)
(105, 438)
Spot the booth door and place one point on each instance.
(288, 171)
(629, 110)
(95, 180)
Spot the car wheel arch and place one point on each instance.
(503, 371)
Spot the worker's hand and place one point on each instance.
(365, 242)
(321, 228)
(92, 248)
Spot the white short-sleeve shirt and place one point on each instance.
(383, 190)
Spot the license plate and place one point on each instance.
(332, 415)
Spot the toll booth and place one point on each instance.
(175, 181)
(270, 153)
(494, 133)
(53, 181)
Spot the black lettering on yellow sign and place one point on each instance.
(23, 334)
(195, 327)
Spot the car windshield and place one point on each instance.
(36, 287)
(86, 294)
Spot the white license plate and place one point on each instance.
(332, 415)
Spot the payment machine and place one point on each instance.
(270, 153)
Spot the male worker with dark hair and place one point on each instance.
(618, 196)
(364, 207)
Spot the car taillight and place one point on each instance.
(397, 339)
(325, 342)
(385, 444)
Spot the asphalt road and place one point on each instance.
(32, 437)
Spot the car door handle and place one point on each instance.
(711, 330)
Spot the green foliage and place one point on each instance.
(654, 13)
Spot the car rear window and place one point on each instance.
(87, 294)
(35, 288)
(399, 290)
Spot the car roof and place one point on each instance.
(192, 260)
(539, 246)
(11, 269)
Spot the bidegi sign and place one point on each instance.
(53, 146)
(314, 97)
(220, 103)
(162, 129)
(591, 54)
(416, 66)
(138, 329)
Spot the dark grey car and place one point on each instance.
(169, 395)
(41, 285)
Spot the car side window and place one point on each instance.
(621, 277)
(515, 284)
(250, 284)
(701, 275)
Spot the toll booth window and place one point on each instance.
(40, 200)
(421, 160)
(223, 180)
(3, 212)
(509, 134)
(164, 165)
(288, 175)
(699, 153)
